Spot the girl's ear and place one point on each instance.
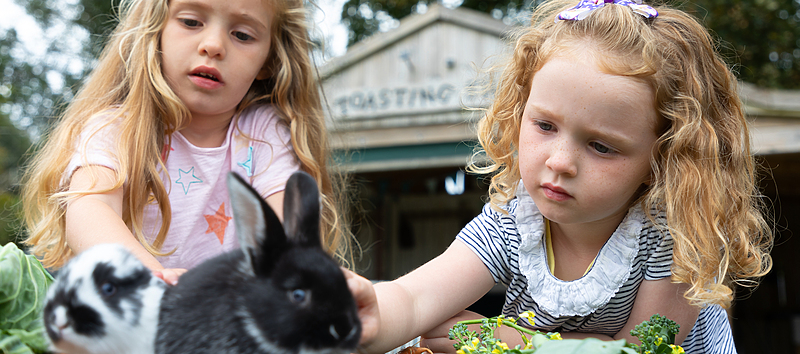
(268, 69)
(264, 73)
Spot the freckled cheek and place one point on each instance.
(611, 176)
(530, 156)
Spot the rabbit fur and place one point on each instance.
(103, 301)
(281, 293)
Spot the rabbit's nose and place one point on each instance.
(333, 332)
(353, 333)
(59, 318)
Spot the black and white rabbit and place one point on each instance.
(103, 301)
(281, 293)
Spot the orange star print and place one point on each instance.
(218, 222)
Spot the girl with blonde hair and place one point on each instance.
(184, 92)
(622, 186)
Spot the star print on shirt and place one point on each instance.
(164, 151)
(188, 175)
(248, 164)
(218, 222)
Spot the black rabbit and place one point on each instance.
(281, 293)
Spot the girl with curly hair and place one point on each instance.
(622, 186)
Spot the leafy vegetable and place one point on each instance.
(657, 336)
(23, 286)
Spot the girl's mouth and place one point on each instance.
(206, 76)
(206, 73)
(555, 193)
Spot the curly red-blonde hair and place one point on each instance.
(703, 173)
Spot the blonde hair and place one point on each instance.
(128, 83)
(703, 173)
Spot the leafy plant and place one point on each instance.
(23, 285)
(657, 336)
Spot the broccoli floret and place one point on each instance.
(657, 335)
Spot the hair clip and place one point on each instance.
(585, 7)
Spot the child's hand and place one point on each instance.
(367, 303)
(170, 276)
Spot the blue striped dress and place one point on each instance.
(512, 247)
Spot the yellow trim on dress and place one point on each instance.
(551, 258)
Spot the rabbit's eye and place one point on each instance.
(108, 289)
(298, 296)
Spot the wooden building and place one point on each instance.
(399, 128)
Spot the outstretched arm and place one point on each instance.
(665, 298)
(400, 310)
(97, 218)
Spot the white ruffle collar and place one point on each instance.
(585, 295)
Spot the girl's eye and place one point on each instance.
(242, 36)
(190, 22)
(544, 126)
(601, 148)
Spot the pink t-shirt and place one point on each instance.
(202, 225)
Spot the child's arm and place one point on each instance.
(97, 218)
(663, 297)
(419, 301)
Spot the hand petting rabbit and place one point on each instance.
(281, 293)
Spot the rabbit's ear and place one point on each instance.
(257, 227)
(301, 210)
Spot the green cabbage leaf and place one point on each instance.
(23, 287)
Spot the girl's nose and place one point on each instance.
(563, 159)
(213, 44)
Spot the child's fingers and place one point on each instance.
(438, 345)
(170, 276)
(367, 302)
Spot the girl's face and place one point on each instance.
(213, 50)
(585, 141)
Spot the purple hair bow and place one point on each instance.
(585, 7)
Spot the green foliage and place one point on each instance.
(483, 341)
(759, 38)
(23, 286)
(657, 335)
(26, 94)
(13, 145)
(367, 17)
(10, 221)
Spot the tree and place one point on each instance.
(13, 145)
(36, 87)
(28, 98)
(759, 38)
